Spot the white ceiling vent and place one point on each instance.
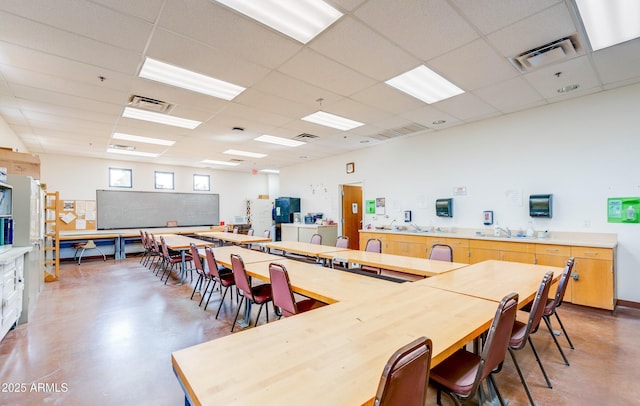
(149, 104)
(400, 131)
(556, 51)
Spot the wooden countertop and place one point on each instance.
(600, 240)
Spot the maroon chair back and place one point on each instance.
(405, 378)
(196, 259)
(373, 245)
(266, 234)
(143, 240)
(250, 231)
(281, 290)
(165, 250)
(240, 274)
(441, 252)
(154, 244)
(538, 304)
(562, 287)
(342, 242)
(497, 342)
(316, 239)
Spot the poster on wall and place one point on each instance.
(623, 210)
(380, 205)
(370, 206)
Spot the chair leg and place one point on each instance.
(524, 382)
(547, 321)
(204, 292)
(493, 383)
(199, 281)
(213, 288)
(533, 348)
(222, 300)
(563, 330)
(237, 313)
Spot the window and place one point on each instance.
(119, 177)
(201, 183)
(164, 180)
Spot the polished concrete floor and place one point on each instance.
(104, 333)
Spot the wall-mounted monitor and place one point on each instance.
(444, 207)
(540, 205)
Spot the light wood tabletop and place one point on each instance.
(411, 265)
(304, 248)
(223, 255)
(333, 355)
(324, 284)
(181, 242)
(493, 280)
(234, 238)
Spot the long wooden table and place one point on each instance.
(411, 265)
(234, 238)
(489, 280)
(181, 243)
(305, 248)
(335, 354)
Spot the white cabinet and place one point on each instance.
(303, 233)
(11, 287)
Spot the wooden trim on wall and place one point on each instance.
(628, 303)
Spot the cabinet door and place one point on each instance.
(593, 277)
(559, 261)
(514, 256)
(480, 254)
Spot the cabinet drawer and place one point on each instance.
(592, 253)
(550, 249)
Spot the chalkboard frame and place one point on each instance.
(121, 209)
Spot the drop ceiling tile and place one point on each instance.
(29, 34)
(473, 66)
(619, 63)
(287, 87)
(387, 98)
(489, 16)
(148, 10)
(365, 50)
(222, 28)
(510, 95)
(540, 29)
(273, 104)
(355, 110)
(427, 115)
(86, 19)
(65, 100)
(467, 107)
(314, 68)
(425, 29)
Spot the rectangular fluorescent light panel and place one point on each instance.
(146, 140)
(609, 22)
(279, 141)
(270, 171)
(128, 152)
(424, 84)
(301, 20)
(130, 112)
(331, 120)
(244, 153)
(225, 163)
(186, 79)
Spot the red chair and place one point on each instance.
(260, 294)
(521, 331)
(461, 374)
(199, 269)
(405, 377)
(441, 252)
(283, 294)
(169, 260)
(217, 274)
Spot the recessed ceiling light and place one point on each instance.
(129, 152)
(214, 162)
(146, 140)
(244, 153)
(301, 20)
(279, 141)
(609, 22)
(270, 170)
(186, 79)
(424, 84)
(138, 114)
(331, 120)
(568, 88)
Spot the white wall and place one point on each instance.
(78, 178)
(583, 151)
(8, 138)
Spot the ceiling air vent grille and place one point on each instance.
(122, 147)
(149, 104)
(305, 136)
(556, 51)
(400, 131)
(236, 160)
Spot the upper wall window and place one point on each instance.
(119, 177)
(164, 180)
(201, 183)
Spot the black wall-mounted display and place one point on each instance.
(444, 207)
(541, 205)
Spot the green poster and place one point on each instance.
(623, 210)
(371, 206)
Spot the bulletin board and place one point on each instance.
(77, 215)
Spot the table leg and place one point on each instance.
(246, 320)
(183, 266)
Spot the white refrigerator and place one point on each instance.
(28, 231)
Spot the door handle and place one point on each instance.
(575, 276)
